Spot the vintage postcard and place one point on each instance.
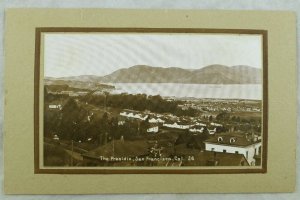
(162, 101)
(159, 98)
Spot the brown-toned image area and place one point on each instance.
(152, 100)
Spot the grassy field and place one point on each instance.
(248, 115)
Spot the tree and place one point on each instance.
(223, 116)
(182, 138)
(144, 126)
(104, 128)
(106, 96)
(70, 119)
(114, 129)
(233, 118)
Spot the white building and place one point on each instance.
(216, 124)
(178, 125)
(121, 122)
(134, 115)
(196, 129)
(235, 143)
(212, 131)
(54, 106)
(55, 137)
(156, 120)
(152, 129)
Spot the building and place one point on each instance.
(200, 124)
(55, 106)
(224, 159)
(216, 124)
(133, 115)
(156, 120)
(196, 129)
(178, 125)
(152, 129)
(212, 131)
(237, 143)
(55, 137)
(194, 157)
(121, 122)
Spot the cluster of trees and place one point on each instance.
(71, 123)
(242, 124)
(227, 117)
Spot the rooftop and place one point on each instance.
(233, 139)
(196, 127)
(201, 158)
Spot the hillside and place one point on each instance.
(212, 74)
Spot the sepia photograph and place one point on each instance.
(158, 100)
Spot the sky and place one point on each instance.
(74, 54)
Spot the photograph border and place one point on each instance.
(38, 39)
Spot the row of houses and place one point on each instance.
(168, 121)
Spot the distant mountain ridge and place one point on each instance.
(212, 74)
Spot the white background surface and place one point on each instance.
(291, 5)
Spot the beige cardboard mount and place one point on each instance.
(19, 171)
